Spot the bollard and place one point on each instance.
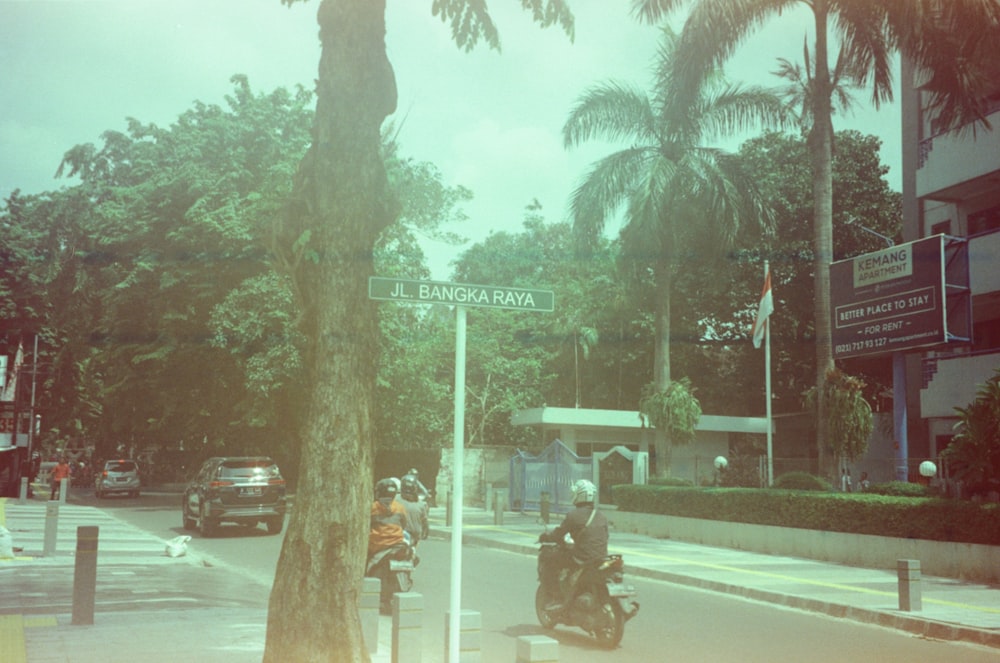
(498, 506)
(908, 571)
(470, 641)
(63, 490)
(371, 592)
(51, 528)
(407, 620)
(489, 496)
(85, 575)
(24, 490)
(544, 506)
(447, 510)
(537, 649)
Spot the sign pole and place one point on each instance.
(767, 389)
(457, 471)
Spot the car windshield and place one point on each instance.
(120, 466)
(244, 469)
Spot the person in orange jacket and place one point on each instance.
(59, 473)
(388, 518)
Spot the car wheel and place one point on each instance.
(189, 523)
(274, 525)
(206, 526)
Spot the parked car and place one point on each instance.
(118, 476)
(246, 490)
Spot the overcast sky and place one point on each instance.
(72, 69)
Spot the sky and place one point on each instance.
(73, 69)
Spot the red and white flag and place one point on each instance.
(11, 388)
(764, 309)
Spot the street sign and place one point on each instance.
(460, 294)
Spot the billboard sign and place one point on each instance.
(889, 300)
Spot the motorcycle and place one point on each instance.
(601, 602)
(393, 566)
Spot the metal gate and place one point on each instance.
(554, 471)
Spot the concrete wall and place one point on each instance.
(965, 561)
(483, 465)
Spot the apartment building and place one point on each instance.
(951, 185)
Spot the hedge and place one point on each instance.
(934, 519)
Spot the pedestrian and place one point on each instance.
(863, 483)
(59, 473)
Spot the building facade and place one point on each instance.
(951, 186)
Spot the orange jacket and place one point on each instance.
(60, 471)
(386, 526)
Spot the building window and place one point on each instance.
(984, 220)
(941, 228)
(986, 335)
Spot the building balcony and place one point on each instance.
(951, 381)
(948, 163)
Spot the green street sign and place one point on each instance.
(460, 294)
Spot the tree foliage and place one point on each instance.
(973, 456)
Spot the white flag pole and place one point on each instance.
(767, 386)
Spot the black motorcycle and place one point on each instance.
(393, 567)
(600, 603)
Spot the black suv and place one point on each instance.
(246, 490)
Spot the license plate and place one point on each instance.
(252, 491)
(616, 589)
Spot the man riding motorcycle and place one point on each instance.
(388, 518)
(416, 510)
(589, 530)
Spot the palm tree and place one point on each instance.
(948, 40)
(666, 181)
(678, 197)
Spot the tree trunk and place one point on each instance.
(661, 356)
(344, 204)
(821, 147)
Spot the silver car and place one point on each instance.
(118, 476)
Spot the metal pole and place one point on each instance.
(458, 465)
(767, 388)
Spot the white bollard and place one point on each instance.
(51, 528)
(407, 622)
(371, 590)
(537, 649)
(63, 490)
(470, 636)
(24, 490)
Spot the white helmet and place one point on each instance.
(584, 491)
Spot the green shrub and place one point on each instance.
(801, 481)
(670, 481)
(860, 513)
(899, 489)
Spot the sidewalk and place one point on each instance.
(156, 608)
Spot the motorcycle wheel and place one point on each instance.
(609, 625)
(544, 617)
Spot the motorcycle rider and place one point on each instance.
(416, 510)
(422, 491)
(388, 518)
(588, 528)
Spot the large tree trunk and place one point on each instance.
(821, 147)
(342, 189)
(661, 356)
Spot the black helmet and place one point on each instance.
(409, 488)
(386, 488)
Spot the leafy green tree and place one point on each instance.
(950, 40)
(665, 182)
(973, 456)
(342, 204)
(717, 303)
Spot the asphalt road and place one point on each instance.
(674, 624)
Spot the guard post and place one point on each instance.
(85, 575)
